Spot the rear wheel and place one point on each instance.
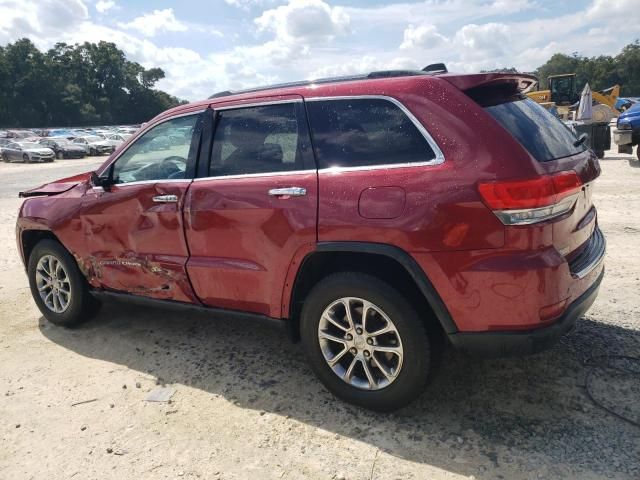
(638, 152)
(92, 152)
(57, 285)
(365, 341)
(60, 155)
(600, 154)
(25, 158)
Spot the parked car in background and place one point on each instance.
(94, 145)
(63, 148)
(115, 139)
(126, 131)
(19, 134)
(627, 132)
(364, 213)
(26, 152)
(61, 132)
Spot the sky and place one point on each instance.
(206, 46)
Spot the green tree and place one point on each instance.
(74, 85)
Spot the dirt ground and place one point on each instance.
(247, 407)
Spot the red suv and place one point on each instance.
(378, 216)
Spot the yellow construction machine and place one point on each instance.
(563, 93)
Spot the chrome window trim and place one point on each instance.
(141, 133)
(256, 175)
(148, 182)
(439, 156)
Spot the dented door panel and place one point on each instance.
(134, 244)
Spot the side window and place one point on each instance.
(368, 131)
(159, 154)
(263, 139)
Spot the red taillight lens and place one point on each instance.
(533, 193)
(566, 183)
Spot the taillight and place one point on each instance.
(521, 202)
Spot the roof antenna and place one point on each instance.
(435, 68)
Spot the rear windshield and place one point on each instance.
(542, 134)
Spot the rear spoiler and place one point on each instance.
(474, 80)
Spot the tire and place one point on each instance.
(390, 393)
(81, 305)
(60, 155)
(25, 158)
(600, 154)
(4, 157)
(92, 152)
(638, 152)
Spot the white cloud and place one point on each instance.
(364, 64)
(157, 21)
(422, 36)
(103, 5)
(247, 4)
(39, 20)
(304, 20)
(489, 37)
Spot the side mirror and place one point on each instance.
(100, 181)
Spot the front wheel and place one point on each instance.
(365, 341)
(25, 158)
(60, 155)
(92, 152)
(57, 285)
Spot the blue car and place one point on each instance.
(627, 133)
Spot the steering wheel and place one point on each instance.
(175, 159)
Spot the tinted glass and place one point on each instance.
(272, 138)
(159, 154)
(351, 133)
(543, 135)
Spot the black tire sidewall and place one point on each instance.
(414, 374)
(81, 299)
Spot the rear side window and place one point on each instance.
(263, 139)
(543, 135)
(368, 131)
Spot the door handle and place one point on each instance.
(288, 192)
(165, 199)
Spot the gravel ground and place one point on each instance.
(247, 406)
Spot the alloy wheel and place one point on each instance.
(360, 343)
(53, 284)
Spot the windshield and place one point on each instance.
(93, 139)
(31, 145)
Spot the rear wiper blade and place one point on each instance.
(581, 139)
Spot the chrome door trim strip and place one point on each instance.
(256, 175)
(147, 182)
(439, 156)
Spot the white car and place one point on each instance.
(26, 152)
(94, 145)
(116, 139)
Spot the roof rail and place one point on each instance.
(348, 78)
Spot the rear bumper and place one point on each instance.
(518, 343)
